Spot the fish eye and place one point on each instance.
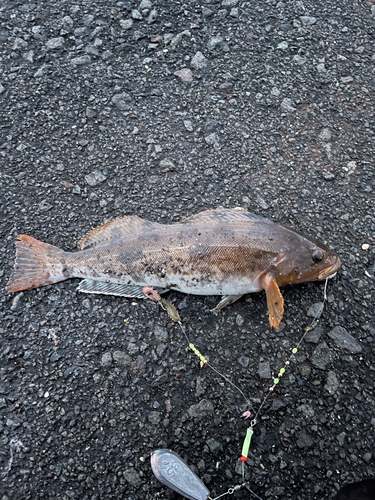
(317, 255)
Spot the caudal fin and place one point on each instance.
(37, 264)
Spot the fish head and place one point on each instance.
(305, 259)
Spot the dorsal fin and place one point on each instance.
(114, 229)
(222, 215)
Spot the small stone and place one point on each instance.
(136, 15)
(240, 320)
(308, 20)
(283, 45)
(264, 370)
(87, 19)
(206, 12)
(214, 446)
(152, 16)
(122, 101)
(229, 3)
(221, 14)
(234, 12)
(19, 43)
(79, 32)
(55, 357)
(154, 417)
(367, 457)
(188, 125)
(214, 41)
(325, 134)
(285, 27)
(332, 383)
(315, 310)
(328, 176)
(341, 438)
(202, 409)
(145, 4)
(161, 333)
(153, 179)
(2, 89)
(244, 361)
(314, 335)
(132, 348)
(322, 356)
(81, 477)
(350, 167)
(199, 61)
(81, 60)
(346, 79)
(304, 441)
(321, 68)
(29, 56)
(365, 247)
(184, 74)
(86, 304)
(106, 359)
(210, 126)
(132, 477)
(92, 50)
(287, 104)
(262, 203)
(166, 164)
(96, 177)
(122, 358)
(225, 89)
(97, 378)
(55, 43)
(213, 139)
(343, 339)
(299, 59)
(126, 24)
(275, 91)
(67, 23)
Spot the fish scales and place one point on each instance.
(227, 252)
(188, 258)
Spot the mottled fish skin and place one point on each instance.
(218, 252)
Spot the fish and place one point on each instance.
(225, 252)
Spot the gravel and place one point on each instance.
(88, 91)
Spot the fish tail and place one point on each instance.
(37, 264)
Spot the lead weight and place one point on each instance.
(172, 471)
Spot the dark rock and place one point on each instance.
(202, 409)
(343, 339)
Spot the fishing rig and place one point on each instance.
(167, 466)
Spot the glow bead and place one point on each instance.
(287, 362)
(294, 350)
(191, 346)
(246, 444)
(276, 380)
(282, 370)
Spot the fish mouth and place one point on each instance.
(330, 271)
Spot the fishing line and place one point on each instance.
(171, 310)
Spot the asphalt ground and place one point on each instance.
(273, 112)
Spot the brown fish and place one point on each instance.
(227, 252)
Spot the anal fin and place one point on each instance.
(121, 290)
(275, 301)
(226, 300)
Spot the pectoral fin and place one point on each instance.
(225, 301)
(275, 301)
